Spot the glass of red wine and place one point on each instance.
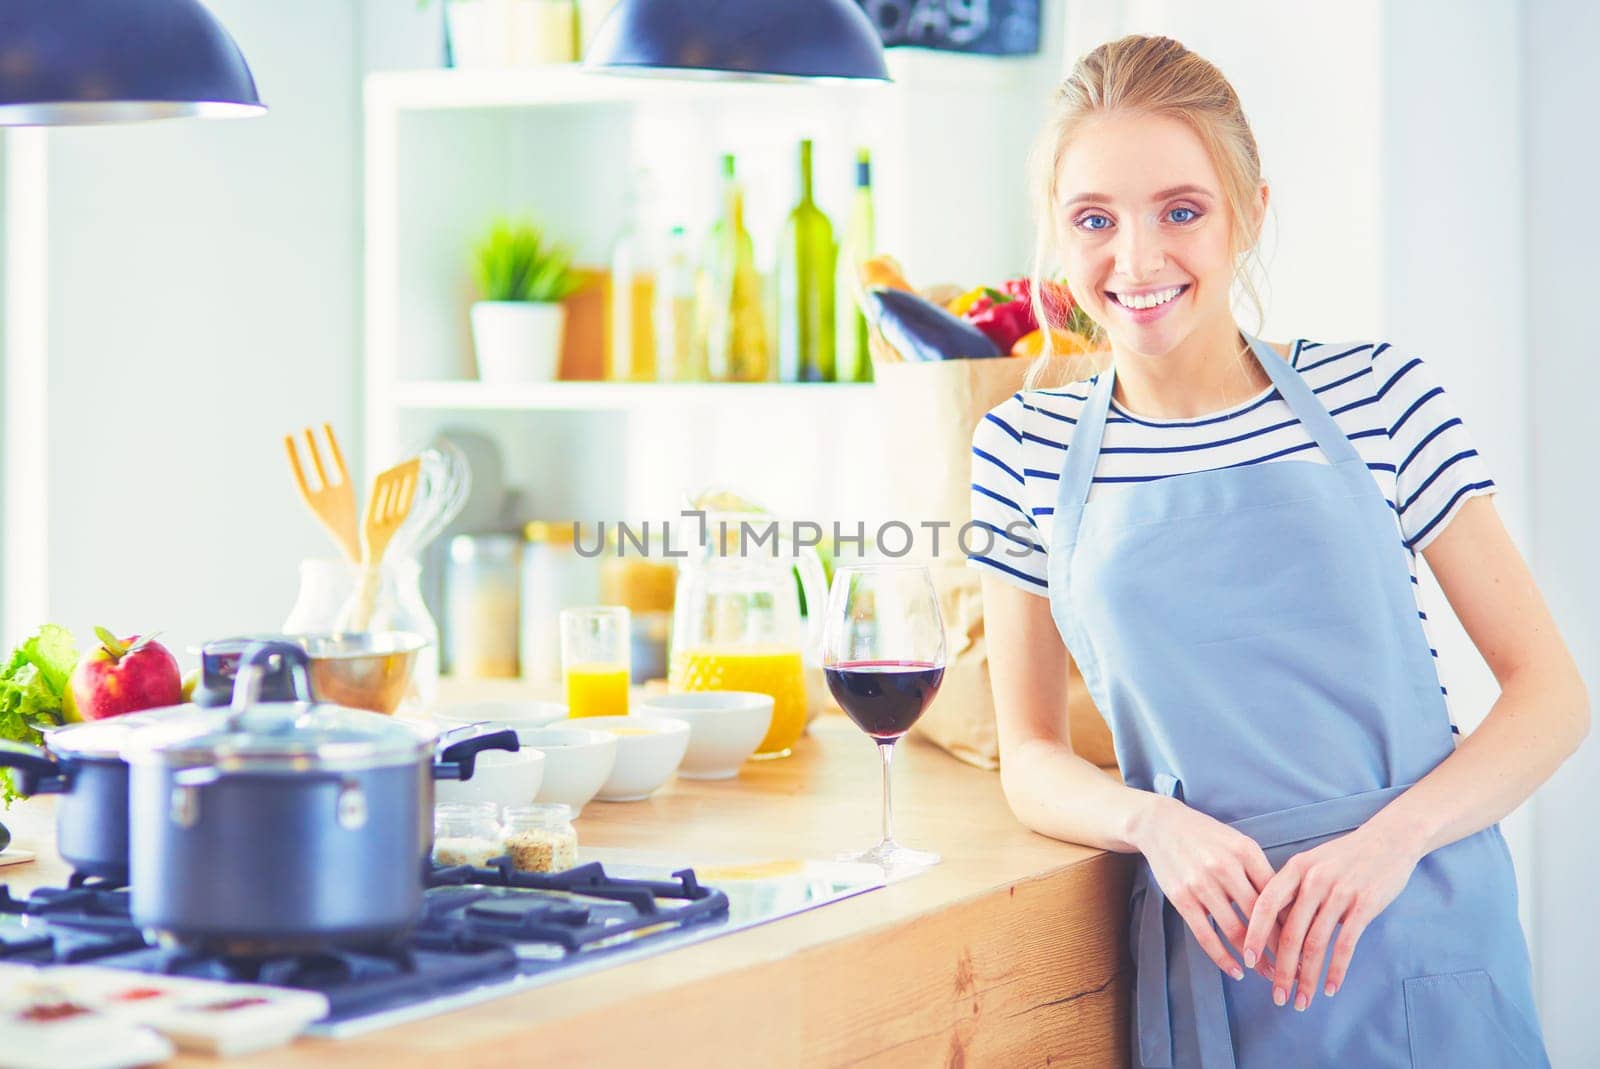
(883, 654)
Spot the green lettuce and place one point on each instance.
(34, 691)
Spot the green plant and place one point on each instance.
(514, 262)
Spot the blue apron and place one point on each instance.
(1251, 637)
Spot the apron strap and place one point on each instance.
(1083, 453)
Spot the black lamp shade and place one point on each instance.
(71, 62)
(739, 39)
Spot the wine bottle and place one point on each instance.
(679, 357)
(806, 329)
(729, 314)
(855, 358)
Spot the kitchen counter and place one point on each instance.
(1011, 952)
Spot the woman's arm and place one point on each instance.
(1201, 864)
(1049, 787)
(1539, 719)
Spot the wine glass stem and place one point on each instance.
(886, 749)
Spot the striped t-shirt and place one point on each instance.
(1387, 403)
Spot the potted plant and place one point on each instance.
(518, 325)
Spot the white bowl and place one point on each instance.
(513, 714)
(498, 776)
(725, 727)
(649, 750)
(577, 761)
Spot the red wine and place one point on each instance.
(884, 698)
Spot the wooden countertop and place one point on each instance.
(1011, 952)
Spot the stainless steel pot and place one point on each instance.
(287, 826)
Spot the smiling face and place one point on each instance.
(1145, 233)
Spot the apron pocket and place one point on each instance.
(1461, 1020)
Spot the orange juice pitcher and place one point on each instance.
(737, 622)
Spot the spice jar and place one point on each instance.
(540, 838)
(467, 833)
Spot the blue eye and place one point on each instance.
(1193, 215)
(1085, 221)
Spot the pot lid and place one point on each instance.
(281, 736)
(107, 739)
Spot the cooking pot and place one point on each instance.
(83, 764)
(287, 826)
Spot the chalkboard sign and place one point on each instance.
(985, 27)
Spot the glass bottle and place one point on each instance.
(540, 838)
(805, 288)
(729, 310)
(854, 358)
(629, 333)
(680, 353)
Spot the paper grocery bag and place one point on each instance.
(930, 411)
(961, 718)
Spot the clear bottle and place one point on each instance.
(729, 311)
(541, 838)
(806, 284)
(629, 332)
(680, 352)
(854, 358)
(467, 833)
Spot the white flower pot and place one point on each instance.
(518, 341)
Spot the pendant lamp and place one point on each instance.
(739, 40)
(76, 62)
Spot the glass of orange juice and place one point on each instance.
(594, 659)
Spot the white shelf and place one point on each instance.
(467, 395)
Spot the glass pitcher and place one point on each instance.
(737, 623)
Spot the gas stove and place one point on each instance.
(485, 932)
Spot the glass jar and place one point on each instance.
(467, 833)
(540, 838)
(326, 586)
(555, 576)
(482, 605)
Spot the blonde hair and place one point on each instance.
(1154, 76)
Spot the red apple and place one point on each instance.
(125, 676)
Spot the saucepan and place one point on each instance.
(287, 826)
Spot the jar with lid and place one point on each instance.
(540, 838)
(482, 605)
(467, 833)
(555, 576)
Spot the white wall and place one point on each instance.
(1561, 236)
(202, 301)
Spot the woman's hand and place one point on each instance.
(1203, 867)
(1351, 880)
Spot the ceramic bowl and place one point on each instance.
(577, 761)
(499, 777)
(517, 714)
(649, 750)
(725, 727)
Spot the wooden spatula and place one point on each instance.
(393, 492)
(332, 503)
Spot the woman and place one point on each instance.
(1224, 533)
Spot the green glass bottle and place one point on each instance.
(729, 313)
(806, 328)
(855, 358)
